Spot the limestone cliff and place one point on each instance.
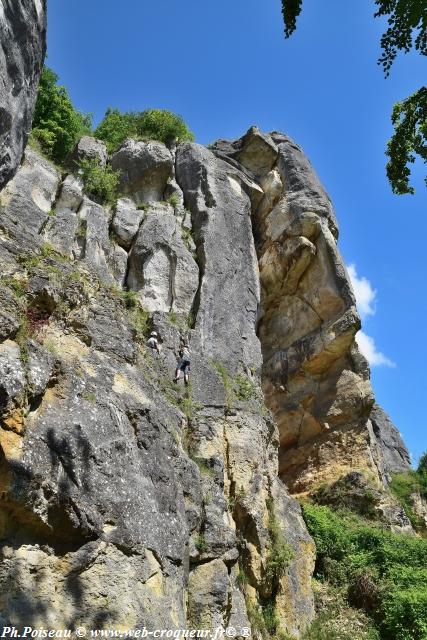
(22, 37)
(127, 500)
(315, 380)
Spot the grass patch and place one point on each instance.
(280, 552)
(187, 237)
(140, 321)
(174, 200)
(22, 337)
(201, 544)
(47, 252)
(244, 388)
(204, 468)
(382, 572)
(89, 396)
(173, 317)
(182, 322)
(239, 388)
(19, 288)
(227, 382)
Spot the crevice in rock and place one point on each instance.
(53, 207)
(200, 256)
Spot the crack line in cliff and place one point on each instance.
(200, 257)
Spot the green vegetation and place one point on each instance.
(342, 494)
(187, 236)
(280, 553)
(18, 287)
(57, 125)
(182, 321)
(173, 317)
(271, 619)
(141, 322)
(100, 182)
(409, 119)
(383, 573)
(226, 381)
(239, 388)
(256, 619)
(139, 318)
(204, 468)
(336, 619)
(263, 615)
(201, 544)
(244, 388)
(173, 200)
(89, 396)
(406, 29)
(404, 485)
(187, 404)
(152, 124)
(46, 254)
(22, 338)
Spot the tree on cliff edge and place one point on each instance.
(407, 28)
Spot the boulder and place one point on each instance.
(30, 196)
(71, 194)
(88, 148)
(161, 268)
(12, 376)
(126, 221)
(145, 168)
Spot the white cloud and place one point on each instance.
(366, 304)
(365, 294)
(368, 348)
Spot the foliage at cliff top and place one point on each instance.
(384, 573)
(152, 124)
(57, 125)
(407, 29)
(409, 118)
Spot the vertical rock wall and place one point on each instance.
(22, 37)
(315, 380)
(108, 468)
(125, 499)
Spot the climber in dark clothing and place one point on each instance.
(183, 363)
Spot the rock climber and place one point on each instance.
(183, 363)
(153, 342)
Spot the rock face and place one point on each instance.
(88, 148)
(127, 500)
(314, 379)
(393, 456)
(22, 34)
(145, 168)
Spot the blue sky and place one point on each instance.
(224, 66)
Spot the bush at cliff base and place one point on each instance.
(407, 485)
(385, 573)
(152, 124)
